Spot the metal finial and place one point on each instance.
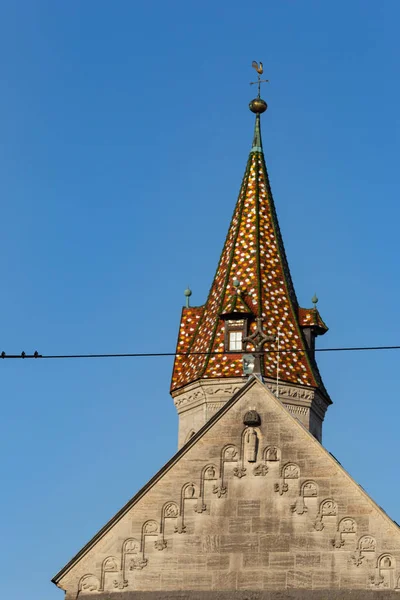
(314, 300)
(188, 293)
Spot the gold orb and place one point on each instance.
(258, 106)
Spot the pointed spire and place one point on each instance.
(257, 142)
(253, 254)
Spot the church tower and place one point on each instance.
(251, 307)
(251, 505)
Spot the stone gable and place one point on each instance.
(251, 503)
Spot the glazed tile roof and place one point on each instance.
(254, 256)
(310, 317)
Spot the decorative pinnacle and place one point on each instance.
(258, 106)
(188, 293)
(314, 300)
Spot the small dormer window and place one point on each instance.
(234, 334)
(235, 340)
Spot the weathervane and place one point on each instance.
(259, 68)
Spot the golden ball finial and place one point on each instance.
(258, 106)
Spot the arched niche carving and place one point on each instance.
(170, 510)
(289, 471)
(346, 531)
(89, 583)
(272, 454)
(208, 474)
(188, 492)
(384, 576)
(109, 570)
(308, 489)
(132, 558)
(327, 508)
(366, 545)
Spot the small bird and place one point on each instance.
(258, 67)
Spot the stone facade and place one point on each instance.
(197, 402)
(244, 506)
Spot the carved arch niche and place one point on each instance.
(88, 584)
(229, 454)
(131, 558)
(149, 530)
(189, 496)
(384, 576)
(307, 498)
(289, 472)
(327, 508)
(207, 477)
(346, 532)
(109, 574)
(169, 511)
(366, 548)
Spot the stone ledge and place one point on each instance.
(250, 595)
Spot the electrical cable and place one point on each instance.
(36, 354)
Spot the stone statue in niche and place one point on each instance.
(89, 583)
(251, 443)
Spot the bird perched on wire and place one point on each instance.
(258, 67)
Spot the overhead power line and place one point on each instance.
(36, 354)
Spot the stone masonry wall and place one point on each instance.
(245, 508)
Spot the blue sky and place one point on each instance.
(125, 134)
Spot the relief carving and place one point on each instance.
(366, 544)
(289, 471)
(208, 473)
(291, 392)
(229, 389)
(308, 490)
(346, 527)
(149, 528)
(384, 572)
(271, 454)
(188, 492)
(131, 558)
(89, 583)
(228, 454)
(251, 445)
(188, 398)
(109, 565)
(328, 508)
(260, 469)
(170, 510)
